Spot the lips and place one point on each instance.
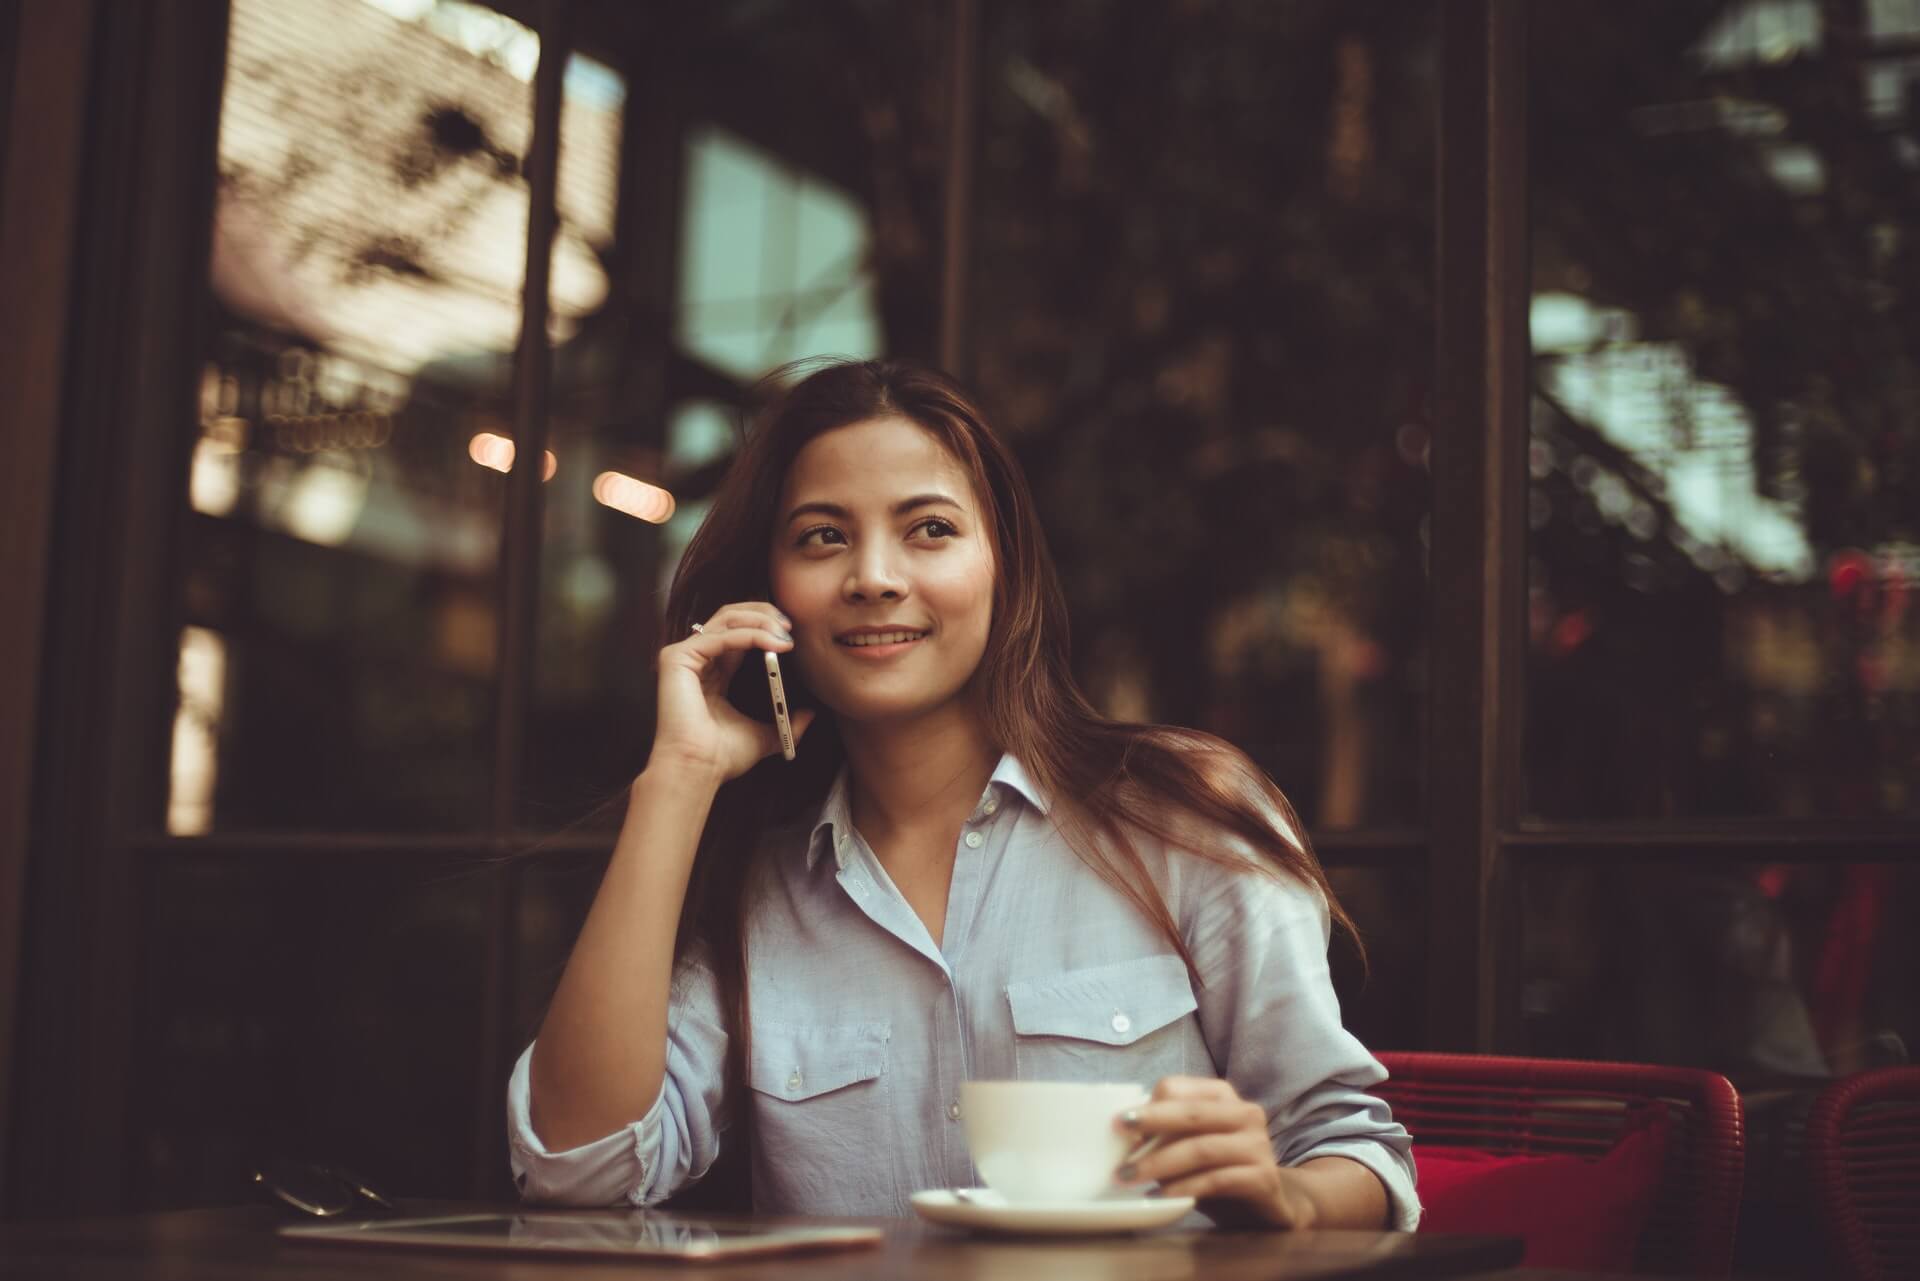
(861, 638)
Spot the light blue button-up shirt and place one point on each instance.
(863, 1027)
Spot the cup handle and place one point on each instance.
(1141, 1149)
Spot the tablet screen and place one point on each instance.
(625, 1233)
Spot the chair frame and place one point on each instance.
(1539, 1107)
(1863, 1160)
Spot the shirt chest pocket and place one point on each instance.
(821, 1099)
(1129, 1021)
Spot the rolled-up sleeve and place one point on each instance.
(673, 1145)
(1272, 1025)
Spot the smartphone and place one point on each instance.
(779, 692)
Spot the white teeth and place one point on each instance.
(882, 638)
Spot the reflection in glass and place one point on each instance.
(1205, 314)
(609, 466)
(627, 1230)
(799, 224)
(355, 414)
(326, 1007)
(1383, 1002)
(196, 726)
(555, 892)
(777, 263)
(1725, 502)
(1763, 972)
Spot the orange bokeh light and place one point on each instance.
(634, 497)
(497, 453)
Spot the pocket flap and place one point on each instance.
(795, 1063)
(1113, 1004)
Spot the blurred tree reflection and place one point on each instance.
(1725, 521)
(1727, 458)
(1202, 303)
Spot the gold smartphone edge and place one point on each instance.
(780, 718)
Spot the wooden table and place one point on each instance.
(209, 1245)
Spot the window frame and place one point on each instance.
(106, 672)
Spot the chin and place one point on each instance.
(869, 709)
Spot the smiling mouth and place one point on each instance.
(865, 639)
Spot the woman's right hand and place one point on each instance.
(696, 726)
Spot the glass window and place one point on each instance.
(1205, 312)
(343, 513)
(1383, 999)
(556, 891)
(1764, 972)
(776, 263)
(1725, 504)
(314, 1008)
(781, 178)
(603, 505)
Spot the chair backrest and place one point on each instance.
(1863, 1157)
(1537, 1107)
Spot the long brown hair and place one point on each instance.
(1109, 781)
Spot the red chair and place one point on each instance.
(1543, 1107)
(1863, 1156)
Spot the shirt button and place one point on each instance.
(993, 803)
(793, 1082)
(975, 840)
(953, 1112)
(1121, 1023)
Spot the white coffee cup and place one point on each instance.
(1047, 1140)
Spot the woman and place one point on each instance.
(967, 873)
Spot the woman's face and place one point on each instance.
(882, 561)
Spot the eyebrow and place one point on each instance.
(900, 508)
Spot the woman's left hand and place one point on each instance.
(1214, 1147)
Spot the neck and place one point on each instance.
(907, 775)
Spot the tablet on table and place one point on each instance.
(623, 1234)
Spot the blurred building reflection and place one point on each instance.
(368, 254)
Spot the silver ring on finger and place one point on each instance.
(697, 629)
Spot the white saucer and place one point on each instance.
(991, 1212)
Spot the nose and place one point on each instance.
(874, 576)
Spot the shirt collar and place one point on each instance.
(1012, 776)
(834, 823)
(835, 820)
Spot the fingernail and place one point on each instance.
(1126, 1173)
(787, 637)
(1130, 1117)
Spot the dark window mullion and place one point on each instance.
(1397, 848)
(532, 369)
(519, 579)
(1477, 554)
(266, 846)
(963, 104)
(1872, 843)
(139, 253)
